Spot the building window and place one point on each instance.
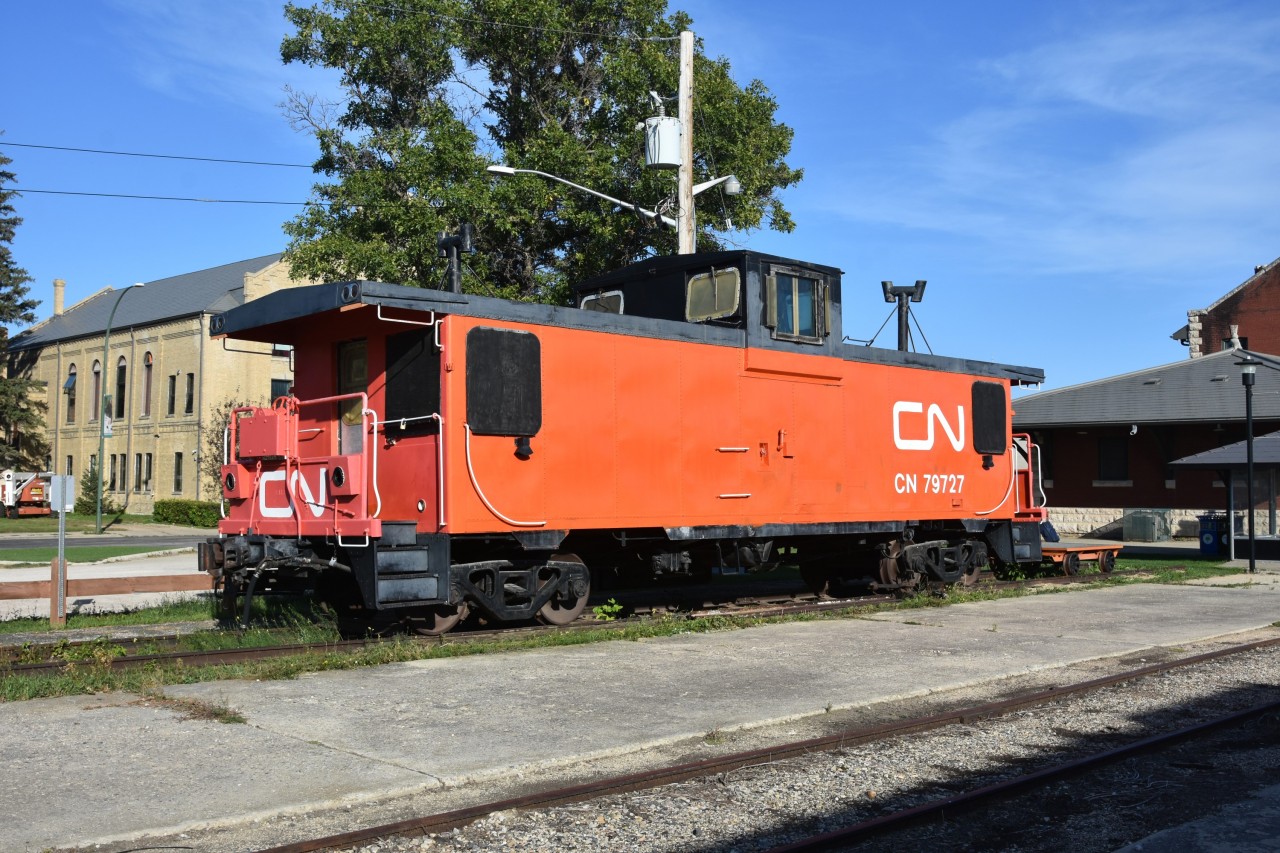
(146, 385)
(121, 373)
(95, 407)
(124, 473)
(177, 473)
(1113, 458)
(70, 387)
(146, 474)
(191, 394)
(111, 476)
(280, 388)
(1228, 343)
(173, 394)
(71, 468)
(137, 472)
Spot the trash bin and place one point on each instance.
(1213, 531)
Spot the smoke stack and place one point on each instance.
(59, 291)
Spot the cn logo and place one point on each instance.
(296, 481)
(934, 416)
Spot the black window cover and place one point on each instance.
(990, 433)
(413, 381)
(504, 382)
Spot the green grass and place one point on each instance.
(296, 621)
(176, 610)
(75, 523)
(77, 554)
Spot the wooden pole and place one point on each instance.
(684, 175)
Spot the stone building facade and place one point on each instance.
(164, 381)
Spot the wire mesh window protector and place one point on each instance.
(504, 382)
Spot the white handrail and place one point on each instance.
(476, 485)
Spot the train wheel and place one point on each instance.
(435, 620)
(560, 610)
(1071, 564)
(1107, 561)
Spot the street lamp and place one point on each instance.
(732, 186)
(508, 171)
(102, 400)
(1248, 368)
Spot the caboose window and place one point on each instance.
(610, 302)
(797, 306)
(711, 295)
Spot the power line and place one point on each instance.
(20, 191)
(156, 156)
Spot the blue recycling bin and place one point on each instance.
(1213, 533)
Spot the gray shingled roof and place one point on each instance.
(1266, 454)
(1194, 390)
(205, 291)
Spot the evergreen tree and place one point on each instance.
(21, 410)
(436, 90)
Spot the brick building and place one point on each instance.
(1250, 313)
(164, 378)
(1107, 446)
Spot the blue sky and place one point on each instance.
(1070, 177)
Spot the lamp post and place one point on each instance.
(732, 186)
(1248, 368)
(102, 401)
(508, 171)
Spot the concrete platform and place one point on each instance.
(334, 739)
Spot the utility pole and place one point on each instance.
(684, 175)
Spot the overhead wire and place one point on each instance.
(156, 156)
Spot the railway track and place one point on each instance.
(855, 832)
(58, 655)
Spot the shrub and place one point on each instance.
(189, 513)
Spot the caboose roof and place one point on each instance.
(287, 316)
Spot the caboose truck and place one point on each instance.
(444, 452)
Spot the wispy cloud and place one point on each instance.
(1132, 147)
(196, 51)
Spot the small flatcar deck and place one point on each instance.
(1069, 557)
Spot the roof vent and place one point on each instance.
(1219, 378)
(1152, 381)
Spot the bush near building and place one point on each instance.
(187, 513)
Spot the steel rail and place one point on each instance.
(1017, 785)
(709, 767)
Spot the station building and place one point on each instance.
(165, 380)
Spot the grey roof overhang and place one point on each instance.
(276, 318)
(1266, 454)
(1194, 390)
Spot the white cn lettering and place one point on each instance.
(316, 506)
(934, 415)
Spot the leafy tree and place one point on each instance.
(21, 412)
(436, 90)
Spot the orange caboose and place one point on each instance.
(444, 451)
